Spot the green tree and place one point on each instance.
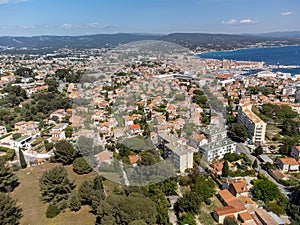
(8, 180)
(75, 202)
(238, 132)
(64, 152)
(265, 190)
(190, 202)
(55, 185)
(258, 150)
(69, 131)
(127, 209)
(205, 187)
(22, 159)
(187, 218)
(80, 166)
(225, 169)
(52, 211)
(10, 213)
(138, 222)
(255, 164)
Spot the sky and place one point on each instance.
(82, 17)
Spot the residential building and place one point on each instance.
(176, 151)
(217, 149)
(232, 208)
(288, 164)
(239, 188)
(295, 152)
(256, 128)
(214, 133)
(23, 142)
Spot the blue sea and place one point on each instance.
(287, 55)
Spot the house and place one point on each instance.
(76, 121)
(23, 142)
(197, 140)
(60, 114)
(295, 152)
(232, 207)
(278, 175)
(239, 188)
(288, 164)
(134, 129)
(133, 159)
(216, 168)
(58, 135)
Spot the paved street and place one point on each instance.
(241, 148)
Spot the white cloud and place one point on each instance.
(232, 21)
(2, 2)
(243, 21)
(94, 25)
(286, 13)
(67, 26)
(247, 21)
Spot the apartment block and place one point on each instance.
(256, 128)
(177, 152)
(217, 149)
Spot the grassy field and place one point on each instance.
(28, 196)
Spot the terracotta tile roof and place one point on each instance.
(225, 210)
(240, 186)
(135, 126)
(288, 161)
(134, 158)
(226, 196)
(245, 216)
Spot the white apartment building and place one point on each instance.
(256, 128)
(217, 149)
(178, 153)
(214, 133)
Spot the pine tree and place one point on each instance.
(55, 185)
(75, 202)
(65, 152)
(8, 180)
(22, 159)
(225, 170)
(9, 212)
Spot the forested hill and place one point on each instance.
(200, 41)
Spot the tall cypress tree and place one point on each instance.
(225, 170)
(22, 159)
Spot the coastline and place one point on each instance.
(244, 48)
(270, 62)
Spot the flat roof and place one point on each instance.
(20, 139)
(216, 144)
(211, 130)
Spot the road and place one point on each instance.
(241, 148)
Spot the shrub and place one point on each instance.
(80, 166)
(52, 211)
